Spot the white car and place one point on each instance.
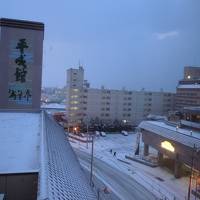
(97, 133)
(103, 134)
(125, 133)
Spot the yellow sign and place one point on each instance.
(168, 146)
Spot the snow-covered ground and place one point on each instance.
(158, 180)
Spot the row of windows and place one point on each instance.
(107, 109)
(105, 97)
(128, 93)
(105, 103)
(105, 114)
(187, 94)
(127, 109)
(106, 91)
(147, 110)
(149, 99)
(187, 101)
(126, 115)
(167, 100)
(167, 105)
(127, 98)
(149, 93)
(128, 104)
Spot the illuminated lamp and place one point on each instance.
(168, 146)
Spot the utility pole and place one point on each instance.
(191, 172)
(87, 134)
(91, 164)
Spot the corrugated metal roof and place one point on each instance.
(165, 131)
(61, 176)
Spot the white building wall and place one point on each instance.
(108, 105)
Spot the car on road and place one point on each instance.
(125, 133)
(103, 134)
(97, 133)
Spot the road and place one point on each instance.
(125, 187)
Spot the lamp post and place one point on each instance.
(91, 164)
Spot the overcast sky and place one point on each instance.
(121, 43)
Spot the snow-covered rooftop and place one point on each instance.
(186, 86)
(61, 176)
(19, 142)
(54, 106)
(179, 135)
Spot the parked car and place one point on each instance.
(97, 133)
(103, 134)
(125, 133)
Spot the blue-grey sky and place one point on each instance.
(121, 43)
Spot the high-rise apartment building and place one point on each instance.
(85, 103)
(188, 89)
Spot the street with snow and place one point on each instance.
(156, 183)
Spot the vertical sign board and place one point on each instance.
(21, 48)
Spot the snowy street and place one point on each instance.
(159, 181)
(123, 186)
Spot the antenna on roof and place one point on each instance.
(79, 63)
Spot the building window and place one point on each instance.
(74, 102)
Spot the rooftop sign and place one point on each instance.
(21, 47)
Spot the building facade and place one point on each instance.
(131, 107)
(188, 89)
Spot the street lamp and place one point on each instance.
(91, 164)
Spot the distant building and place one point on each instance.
(191, 117)
(107, 105)
(188, 89)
